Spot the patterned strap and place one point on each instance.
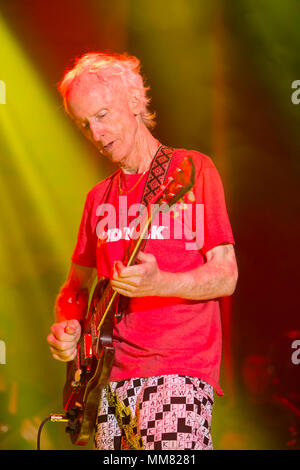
(157, 173)
(156, 176)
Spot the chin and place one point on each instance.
(114, 157)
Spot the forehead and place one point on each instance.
(88, 94)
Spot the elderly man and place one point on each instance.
(168, 343)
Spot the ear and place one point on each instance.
(135, 101)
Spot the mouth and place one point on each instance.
(108, 147)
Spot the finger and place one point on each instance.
(63, 352)
(128, 284)
(146, 257)
(130, 271)
(116, 269)
(124, 292)
(51, 339)
(61, 358)
(114, 272)
(119, 266)
(60, 334)
(58, 358)
(61, 346)
(72, 327)
(128, 290)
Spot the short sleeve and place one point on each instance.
(209, 192)
(84, 253)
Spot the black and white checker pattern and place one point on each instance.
(171, 412)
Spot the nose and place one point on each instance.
(97, 131)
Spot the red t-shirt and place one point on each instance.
(161, 335)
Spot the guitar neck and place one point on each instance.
(169, 193)
(110, 295)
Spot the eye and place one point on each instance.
(101, 115)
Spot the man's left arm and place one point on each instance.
(215, 278)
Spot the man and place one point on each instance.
(168, 343)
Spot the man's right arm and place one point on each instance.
(71, 302)
(70, 308)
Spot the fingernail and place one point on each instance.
(69, 330)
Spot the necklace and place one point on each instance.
(137, 182)
(134, 186)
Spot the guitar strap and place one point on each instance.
(156, 177)
(157, 173)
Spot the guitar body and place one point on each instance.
(88, 372)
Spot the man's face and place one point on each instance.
(104, 114)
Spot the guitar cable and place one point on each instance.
(54, 418)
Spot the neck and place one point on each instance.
(143, 152)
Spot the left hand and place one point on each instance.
(140, 280)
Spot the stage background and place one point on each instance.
(221, 77)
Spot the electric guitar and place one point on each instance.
(89, 371)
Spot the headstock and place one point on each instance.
(178, 184)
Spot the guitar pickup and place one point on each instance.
(88, 347)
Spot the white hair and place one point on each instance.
(106, 66)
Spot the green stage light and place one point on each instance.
(45, 173)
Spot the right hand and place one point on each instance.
(63, 339)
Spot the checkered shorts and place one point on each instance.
(155, 413)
